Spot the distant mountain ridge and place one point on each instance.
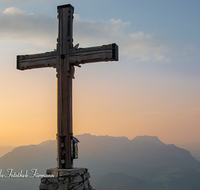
(5, 149)
(140, 152)
(194, 148)
(105, 154)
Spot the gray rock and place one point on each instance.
(43, 180)
(90, 187)
(66, 179)
(64, 173)
(53, 171)
(61, 178)
(63, 186)
(86, 184)
(86, 176)
(43, 186)
(79, 187)
(53, 180)
(76, 179)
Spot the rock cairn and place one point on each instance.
(66, 179)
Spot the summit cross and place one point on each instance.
(64, 58)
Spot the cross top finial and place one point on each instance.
(64, 6)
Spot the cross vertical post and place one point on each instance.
(64, 80)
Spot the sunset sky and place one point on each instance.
(154, 88)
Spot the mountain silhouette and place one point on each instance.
(172, 178)
(29, 157)
(104, 154)
(5, 149)
(194, 148)
(120, 181)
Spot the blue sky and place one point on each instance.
(154, 87)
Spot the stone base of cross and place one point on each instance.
(66, 179)
(64, 58)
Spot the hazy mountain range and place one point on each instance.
(194, 149)
(5, 149)
(113, 162)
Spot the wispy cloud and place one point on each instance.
(18, 25)
(14, 11)
(135, 45)
(41, 30)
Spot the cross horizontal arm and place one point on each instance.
(76, 56)
(48, 59)
(94, 54)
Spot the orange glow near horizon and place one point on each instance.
(100, 107)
